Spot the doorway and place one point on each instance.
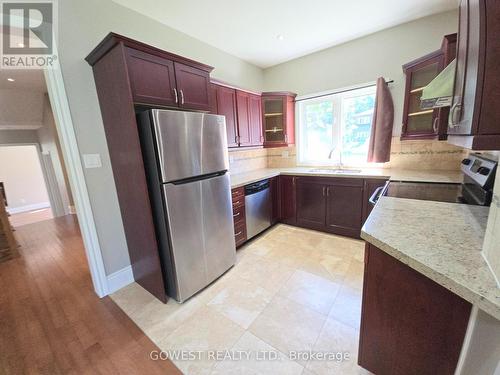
(24, 188)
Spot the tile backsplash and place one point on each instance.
(414, 155)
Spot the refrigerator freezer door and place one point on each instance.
(189, 144)
(199, 214)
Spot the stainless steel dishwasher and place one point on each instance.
(258, 207)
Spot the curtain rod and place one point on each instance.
(341, 91)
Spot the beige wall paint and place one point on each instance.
(83, 25)
(22, 176)
(365, 59)
(21, 108)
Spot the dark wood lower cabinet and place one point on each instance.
(287, 194)
(275, 196)
(311, 203)
(409, 323)
(344, 208)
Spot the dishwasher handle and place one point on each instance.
(256, 187)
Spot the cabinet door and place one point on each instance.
(311, 207)
(287, 186)
(344, 209)
(212, 97)
(255, 110)
(152, 79)
(192, 86)
(226, 106)
(243, 115)
(409, 323)
(275, 196)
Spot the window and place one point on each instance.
(335, 129)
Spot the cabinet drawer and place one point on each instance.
(240, 234)
(239, 215)
(238, 197)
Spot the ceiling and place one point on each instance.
(251, 29)
(24, 79)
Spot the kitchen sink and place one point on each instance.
(335, 171)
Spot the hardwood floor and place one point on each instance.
(52, 322)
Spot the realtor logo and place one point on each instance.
(28, 33)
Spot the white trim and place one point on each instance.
(67, 137)
(28, 207)
(336, 91)
(467, 340)
(120, 279)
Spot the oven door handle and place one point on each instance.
(376, 195)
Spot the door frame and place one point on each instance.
(67, 137)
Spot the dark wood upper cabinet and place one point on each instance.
(192, 87)
(311, 203)
(344, 207)
(287, 185)
(475, 111)
(255, 112)
(278, 118)
(409, 323)
(418, 123)
(152, 78)
(243, 111)
(226, 106)
(212, 98)
(433, 123)
(159, 78)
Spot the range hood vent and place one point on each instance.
(439, 92)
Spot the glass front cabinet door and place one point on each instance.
(278, 118)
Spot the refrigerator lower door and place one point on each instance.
(199, 216)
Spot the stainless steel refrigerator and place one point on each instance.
(185, 155)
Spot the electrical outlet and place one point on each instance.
(92, 161)
(285, 154)
(231, 158)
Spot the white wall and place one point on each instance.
(82, 25)
(21, 108)
(49, 144)
(364, 60)
(22, 176)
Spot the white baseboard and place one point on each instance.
(72, 210)
(28, 207)
(120, 279)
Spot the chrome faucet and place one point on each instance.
(331, 152)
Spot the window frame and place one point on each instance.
(337, 98)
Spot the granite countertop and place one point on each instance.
(442, 241)
(241, 179)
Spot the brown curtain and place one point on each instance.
(383, 119)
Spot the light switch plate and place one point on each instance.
(92, 161)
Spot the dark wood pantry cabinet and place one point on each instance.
(475, 110)
(128, 75)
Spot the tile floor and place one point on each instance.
(291, 291)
